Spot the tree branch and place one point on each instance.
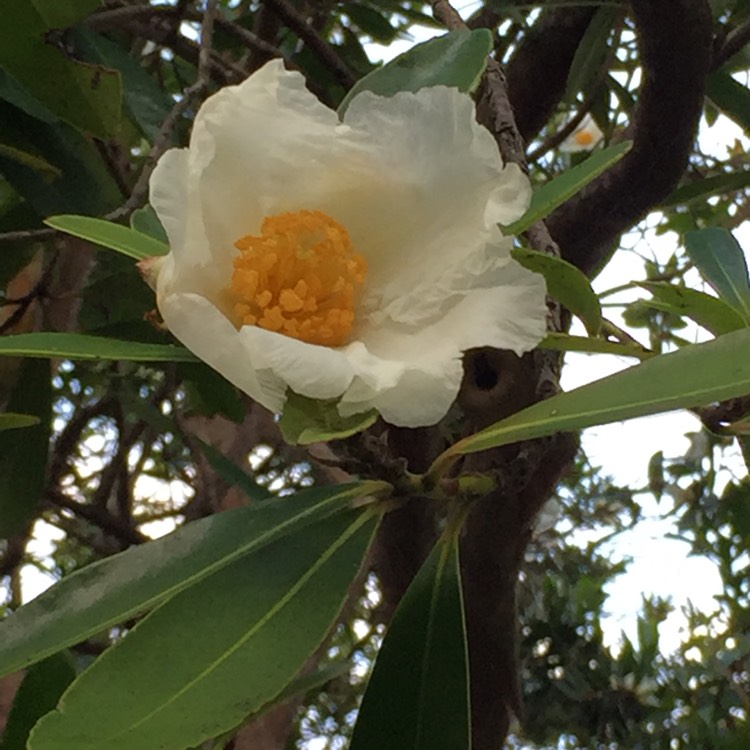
(314, 41)
(538, 71)
(675, 40)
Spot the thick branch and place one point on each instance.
(675, 39)
(538, 72)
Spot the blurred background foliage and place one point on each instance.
(90, 93)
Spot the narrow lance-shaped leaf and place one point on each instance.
(565, 283)
(40, 690)
(562, 342)
(701, 189)
(697, 375)
(109, 591)
(722, 264)
(82, 346)
(11, 421)
(730, 96)
(216, 652)
(715, 315)
(456, 59)
(555, 192)
(108, 234)
(418, 695)
(23, 460)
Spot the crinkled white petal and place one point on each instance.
(259, 362)
(510, 315)
(206, 332)
(420, 187)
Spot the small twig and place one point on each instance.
(162, 140)
(598, 84)
(568, 129)
(114, 17)
(314, 41)
(447, 15)
(734, 42)
(100, 517)
(27, 235)
(248, 38)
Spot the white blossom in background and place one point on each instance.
(584, 138)
(352, 261)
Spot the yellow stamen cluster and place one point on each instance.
(584, 137)
(299, 278)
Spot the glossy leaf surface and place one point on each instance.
(83, 346)
(697, 375)
(713, 314)
(456, 59)
(555, 192)
(722, 264)
(418, 695)
(111, 590)
(565, 283)
(108, 234)
(216, 652)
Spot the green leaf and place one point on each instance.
(145, 221)
(712, 313)
(12, 91)
(108, 234)
(555, 192)
(132, 582)
(230, 472)
(29, 160)
(591, 53)
(86, 96)
(566, 283)
(418, 695)
(23, 459)
(85, 184)
(457, 59)
(562, 342)
(216, 652)
(146, 102)
(59, 15)
(696, 375)
(309, 420)
(700, 190)
(722, 264)
(83, 346)
(371, 22)
(10, 421)
(730, 96)
(40, 690)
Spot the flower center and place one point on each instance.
(584, 137)
(299, 278)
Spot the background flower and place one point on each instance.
(585, 137)
(418, 186)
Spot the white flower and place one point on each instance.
(374, 242)
(584, 138)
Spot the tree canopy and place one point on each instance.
(338, 508)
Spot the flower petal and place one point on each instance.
(206, 332)
(508, 315)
